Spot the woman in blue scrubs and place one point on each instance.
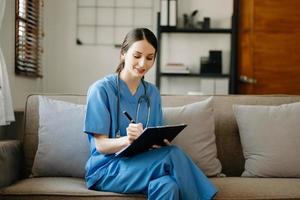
(161, 173)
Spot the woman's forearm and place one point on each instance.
(107, 145)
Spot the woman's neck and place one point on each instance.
(131, 82)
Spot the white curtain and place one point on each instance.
(6, 108)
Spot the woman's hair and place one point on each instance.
(133, 36)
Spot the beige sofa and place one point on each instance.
(17, 158)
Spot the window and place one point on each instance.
(105, 22)
(28, 38)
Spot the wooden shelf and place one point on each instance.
(196, 75)
(167, 29)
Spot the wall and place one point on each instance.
(71, 68)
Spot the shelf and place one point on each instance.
(197, 75)
(167, 29)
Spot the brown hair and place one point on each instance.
(134, 36)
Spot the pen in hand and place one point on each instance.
(128, 116)
(133, 130)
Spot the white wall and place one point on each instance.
(20, 86)
(71, 68)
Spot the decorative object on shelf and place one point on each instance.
(185, 20)
(168, 10)
(172, 12)
(204, 64)
(211, 64)
(177, 68)
(189, 20)
(206, 23)
(164, 15)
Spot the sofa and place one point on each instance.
(17, 157)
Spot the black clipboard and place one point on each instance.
(151, 136)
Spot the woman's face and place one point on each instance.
(139, 58)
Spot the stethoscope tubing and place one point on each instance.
(141, 98)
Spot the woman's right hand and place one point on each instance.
(134, 131)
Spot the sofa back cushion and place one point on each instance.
(63, 148)
(227, 136)
(198, 138)
(270, 139)
(30, 139)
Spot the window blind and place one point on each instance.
(28, 38)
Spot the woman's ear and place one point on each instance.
(122, 56)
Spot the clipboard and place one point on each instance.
(151, 136)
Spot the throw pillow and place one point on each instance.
(198, 138)
(63, 147)
(270, 138)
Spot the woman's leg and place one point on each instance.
(192, 183)
(163, 188)
(134, 174)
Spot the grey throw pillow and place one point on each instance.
(198, 138)
(270, 138)
(63, 147)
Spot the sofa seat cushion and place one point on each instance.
(74, 188)
(58, 188)
(257, 188)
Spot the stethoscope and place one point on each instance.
(142, 98)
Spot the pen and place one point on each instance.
(128, 116)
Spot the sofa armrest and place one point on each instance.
(10, 162)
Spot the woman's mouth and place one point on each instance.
(140, 70)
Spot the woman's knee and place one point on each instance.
(175, 149)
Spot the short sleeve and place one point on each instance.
(97, 118)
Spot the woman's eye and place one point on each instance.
(150, 58)
(136, 56)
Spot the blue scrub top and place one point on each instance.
(101, 117)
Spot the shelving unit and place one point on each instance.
(196, 75)
(174, 30)
(166, 29)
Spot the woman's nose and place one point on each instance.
(142, 62)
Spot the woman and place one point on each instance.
(163, 173)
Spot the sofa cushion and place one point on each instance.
(74, 188)
(58, 188)
(244, 188)
(198, 138)
(270, 139)
(10, 161)
(63, 147)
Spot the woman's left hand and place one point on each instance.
(158, 146)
